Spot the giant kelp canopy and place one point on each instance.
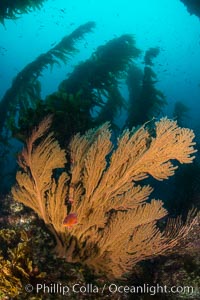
(12, 9)
(25, 89)
(107, 62)
(88, 96)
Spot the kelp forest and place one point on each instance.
(83, 170)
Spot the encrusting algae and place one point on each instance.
(115, 227)
(16, 264)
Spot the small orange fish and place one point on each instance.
(70, 220)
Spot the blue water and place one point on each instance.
(165, 24)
